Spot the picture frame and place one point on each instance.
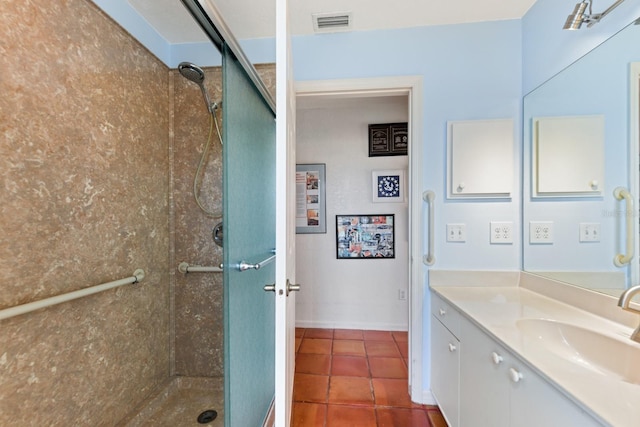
(388, 139)
(311, 198)
(388, 186)
(365, 236)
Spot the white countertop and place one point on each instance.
(497, 309)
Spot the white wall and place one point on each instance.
(350, 293)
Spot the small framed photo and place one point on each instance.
(365, 236)
(310, 199)
(388, 186)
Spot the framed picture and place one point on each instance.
(388, 186)
(310, 199)
(388, 139)
(365, 236)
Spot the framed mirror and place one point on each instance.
(583, 122)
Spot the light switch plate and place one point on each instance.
(589, 232)
(456, 232)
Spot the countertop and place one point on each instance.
(496, 311)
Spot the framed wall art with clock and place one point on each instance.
(388, 186)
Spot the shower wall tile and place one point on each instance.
(198, 296)
(199, 327)
(84, 142)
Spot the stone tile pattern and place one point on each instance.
(199, 297)
(84, 149)
(179, 403)
(99, 144)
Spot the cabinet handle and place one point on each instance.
(515, 375)
(497, 359)
(452, 348)
(443, 312)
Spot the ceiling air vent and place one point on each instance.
(323, 22)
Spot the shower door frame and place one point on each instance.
(208, 17)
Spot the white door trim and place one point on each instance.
(412, 87)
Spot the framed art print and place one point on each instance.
(310, 199)
(388, 186)
(365, 236)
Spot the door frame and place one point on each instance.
(412, 87)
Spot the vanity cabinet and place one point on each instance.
(481, 383)
(445, 358)
(484, 386)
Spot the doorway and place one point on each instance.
(339, 312)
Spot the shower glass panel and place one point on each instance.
(249, 233)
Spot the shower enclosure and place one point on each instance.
(248, 200)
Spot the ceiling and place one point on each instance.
(250, 19)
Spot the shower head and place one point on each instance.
(195, 74)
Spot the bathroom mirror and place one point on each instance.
(569, 234)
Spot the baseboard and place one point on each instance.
(428, 399)
(369, 326)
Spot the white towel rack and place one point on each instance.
(185, 268)
(138, 275)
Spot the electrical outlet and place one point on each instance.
(456, 232)
(501, 232)
(541, 232)
(402, 294)
(589, 231)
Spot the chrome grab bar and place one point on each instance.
(185, 268)
(244, 266)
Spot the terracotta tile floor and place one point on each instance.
(355, 378)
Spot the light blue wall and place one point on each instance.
(547, 48)
(469, 71)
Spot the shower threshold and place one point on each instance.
(180, 403)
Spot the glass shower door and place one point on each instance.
(249, 237)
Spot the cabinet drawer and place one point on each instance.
(445, 313)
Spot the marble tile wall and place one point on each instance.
(99, 146)
(84, 155)
(198, 296)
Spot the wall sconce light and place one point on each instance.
(579, 17)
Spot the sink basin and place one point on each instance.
(599, 352)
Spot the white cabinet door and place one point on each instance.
(484, 387)
(498, 390)
(445, 370)
(535, 403)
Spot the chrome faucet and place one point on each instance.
(624, 301)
